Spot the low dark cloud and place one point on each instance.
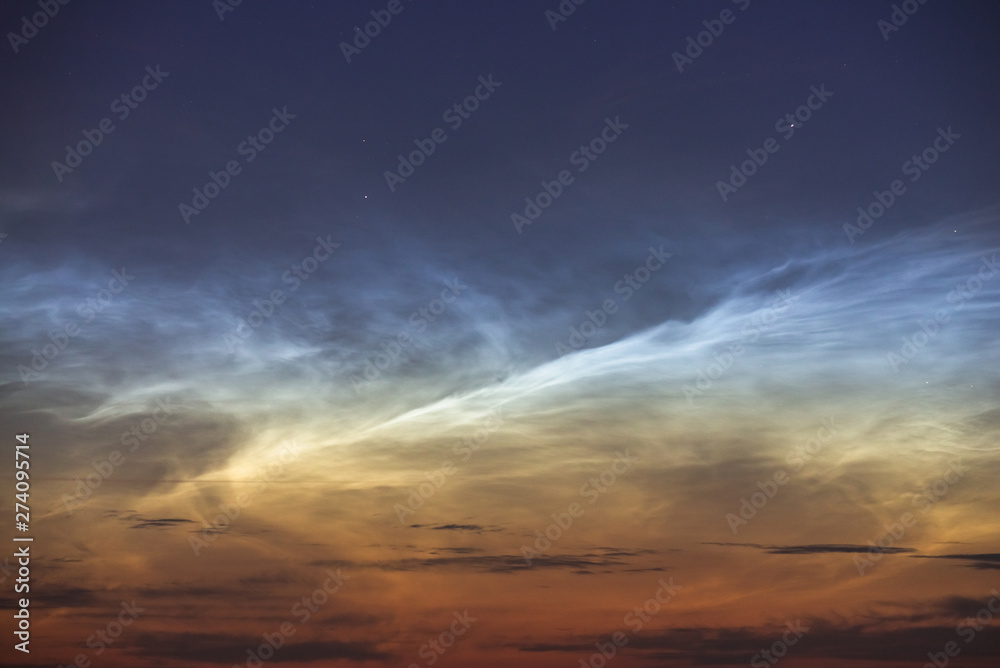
(623, 552)
(551, 647)
(822, 640)
(984, 562)
(654, 569)
(164, 522)
(491, 563)
(819, 548)
(59, 597)
(957, 607)
(987, 556)
(823, 549)
(474, 528)
(138, 521)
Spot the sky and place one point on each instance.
(411, 333)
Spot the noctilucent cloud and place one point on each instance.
(410, 333)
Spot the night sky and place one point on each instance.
(412, 333)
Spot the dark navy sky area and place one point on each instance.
(690, 228)
(606, 59)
